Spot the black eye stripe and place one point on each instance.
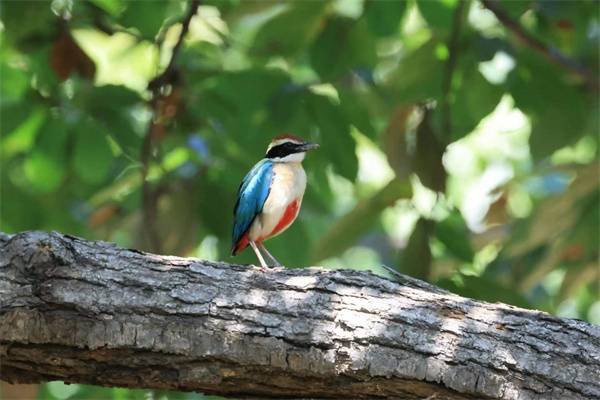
(282, 150)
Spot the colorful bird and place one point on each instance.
(270, 196)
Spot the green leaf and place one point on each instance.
(438, 14)
(217, 215)
(355, 110)
(19, 209)
(287, 32)
(44, 170)
(250, 89)
(243, 104)
(337, 142)
(40, 22)
(145, 16)
(418, 76)
(516, 9)
(349, 228)
(344, 44)
(383, 17)
(93, 156)
(557, 110)
(14, 82)
(585, 234)
(427, 162)
(111, 106)
(19, 128)
(474, 99)
(46, 80)
(454, 234)
(113, 7)
(415, 259)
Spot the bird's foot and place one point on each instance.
(263, 268)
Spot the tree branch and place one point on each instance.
(156, 128)
(92, 312)
(551, 54)
(169, 74)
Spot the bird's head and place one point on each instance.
(288, 148)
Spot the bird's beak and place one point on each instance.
(308, 146)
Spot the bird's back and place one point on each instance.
(252, 195)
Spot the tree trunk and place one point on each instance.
(91, 312)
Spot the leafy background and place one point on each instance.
(451, 149)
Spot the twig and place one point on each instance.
(450, 66)
(168, 76)
(550, 53)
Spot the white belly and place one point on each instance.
(289, 183)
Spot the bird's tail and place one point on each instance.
(239, 245)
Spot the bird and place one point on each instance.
(270, 196)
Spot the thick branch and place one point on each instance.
(551, 54)
(91, 312)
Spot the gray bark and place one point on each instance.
(91, 312)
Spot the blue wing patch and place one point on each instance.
(251, 198)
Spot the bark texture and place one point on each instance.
(91, 312)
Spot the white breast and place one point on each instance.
(289, 184)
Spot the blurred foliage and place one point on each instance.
(449, 149)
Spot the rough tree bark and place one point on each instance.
(92, 312)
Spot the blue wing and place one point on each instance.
(252, 195)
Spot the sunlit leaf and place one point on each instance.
(61, 391)
(19, 128)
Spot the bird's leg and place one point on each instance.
(263, 264)
(263, 248)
